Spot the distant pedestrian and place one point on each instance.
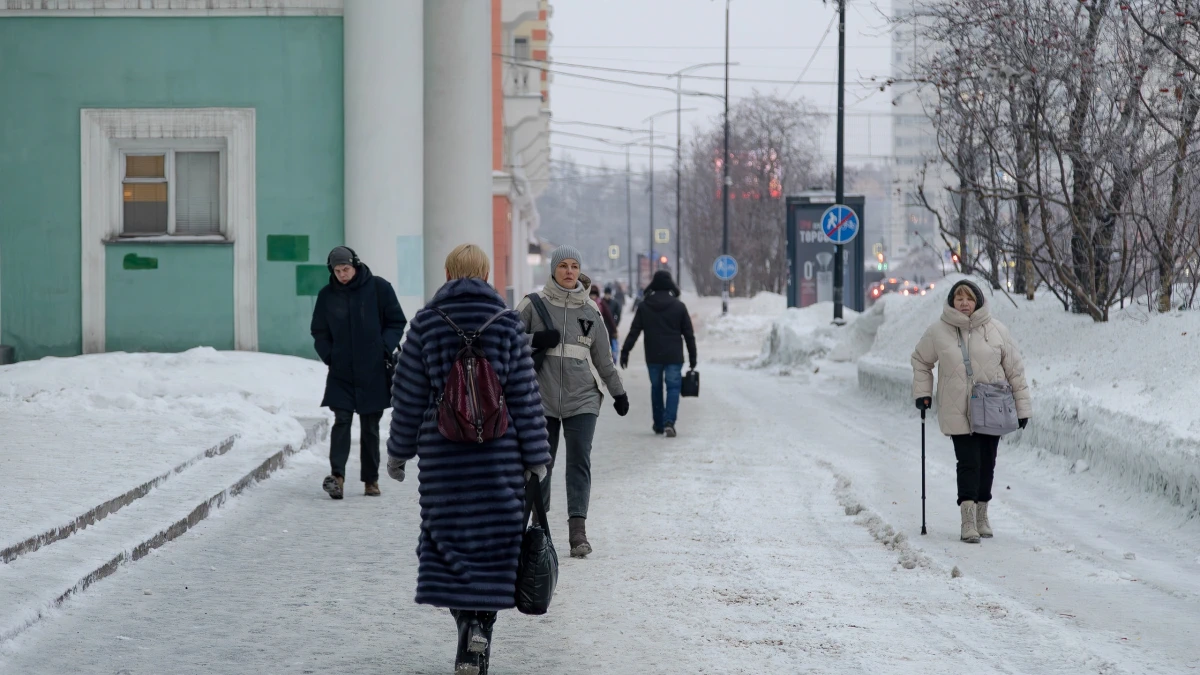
(356, 326)
(613, 306)
(668, 327)
(472, 494)
(609, 322)
(578, 358)
(965, 331)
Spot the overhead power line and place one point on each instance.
(541, 65)
(619, 153)
(812, 58)
(709, 47)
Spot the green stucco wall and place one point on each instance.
(168, 298)
(288, 68)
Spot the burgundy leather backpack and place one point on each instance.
(471, 406)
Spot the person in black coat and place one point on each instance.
(668, 326)
(356, 326)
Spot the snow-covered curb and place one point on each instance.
(1128, 450)
(315, 430)
(102, 511)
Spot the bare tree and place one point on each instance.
(773, 146)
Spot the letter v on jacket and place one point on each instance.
(573, 372)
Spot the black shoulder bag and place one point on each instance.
(539, 306)
(537, 568)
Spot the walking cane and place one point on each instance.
(923, 530)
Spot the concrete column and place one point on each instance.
(383, 56)
(458, 131)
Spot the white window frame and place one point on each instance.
(106, 133)
(142, 148)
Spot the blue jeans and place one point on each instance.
(672, 373)
(615, 349)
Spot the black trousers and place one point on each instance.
(339, 445)
(976, 455)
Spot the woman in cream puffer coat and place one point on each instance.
(994, 358)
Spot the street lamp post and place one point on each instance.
(726, 181)
(650, 246)
(839, 285)
(678, 75)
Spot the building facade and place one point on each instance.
(914, 145)
(520, 138)
(173, 172)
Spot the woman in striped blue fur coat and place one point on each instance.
(472, 495)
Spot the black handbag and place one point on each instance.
(390, 360)
(537, 568)
(691, 384)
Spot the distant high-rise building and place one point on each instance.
(914, 144)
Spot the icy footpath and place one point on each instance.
(107, 457)
(1117, 399)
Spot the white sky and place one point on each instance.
(771, 39)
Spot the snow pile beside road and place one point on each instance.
(798, 336)
(243, 389)
(748, 320)
(1119, 396)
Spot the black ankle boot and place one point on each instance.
(487, 621)
(466, 661)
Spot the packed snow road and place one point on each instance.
(726, 550)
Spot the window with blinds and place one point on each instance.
(171, 192)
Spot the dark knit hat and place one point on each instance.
(662, 281)
(970, 286)
(341, 255)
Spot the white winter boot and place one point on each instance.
(981, 520)
(969, 533)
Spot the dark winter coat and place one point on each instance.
(614, 307)
(472, 494)
(610, 321)
(667, 324)
(355, 327)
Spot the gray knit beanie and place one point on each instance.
(563, 253)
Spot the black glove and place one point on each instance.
(924, 402)
(546, 339)
(621, 403)
(624, 359)
(395, 469)
(1022, 422)
(692, 365)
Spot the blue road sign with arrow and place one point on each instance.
(725, 267)
(840, 224)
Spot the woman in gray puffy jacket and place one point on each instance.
(575, 356)
(967, 324)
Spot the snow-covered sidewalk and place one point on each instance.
(779, 533)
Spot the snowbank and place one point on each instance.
(738, 333)
(1119, 396)
(800, 335)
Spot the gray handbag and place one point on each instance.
(992, 409)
